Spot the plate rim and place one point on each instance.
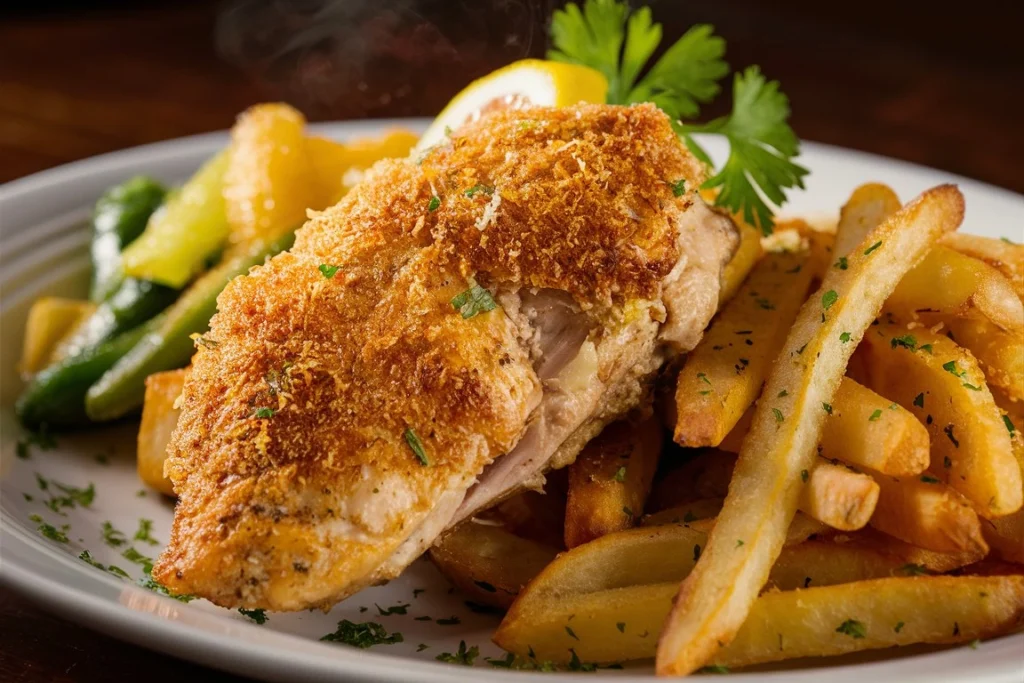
(225, 651)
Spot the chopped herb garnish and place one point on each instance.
(572, 634)
(50, 531)
(898, 627)
(620, 474)
(928, 479)
(486, 189)
(363, 635)
(621, 625)
(907, 341)
(678, 187)
(844, 337)
(1009, 425)
(827, 407)
(696, 552)
(765, 304)
(783, 393)
(473, 301)
(804, 475)
(974, 644)
(417, 591)
(828, 299)
(264, 413)
(450, 621)
(948, 429)
(950, 367)
(421, 647)
(257, 615)
(703, 377)
(919, 400)
(946, 462)
(463, 656)
(713, 669)
(842, 263)
(739, 542)
(397, 609)
(576, 665)
(423, 618)
(911, 569)
(852, 628)
(435, 202)
(486, 586)
(205, 342)
(144, 533)
(925, 347)
(874, 246)
(416, 446)
(971, 387)
(875, 415)
(113, 537)
(328, 271)
(956, 628)
(778, 415)
(628, 512)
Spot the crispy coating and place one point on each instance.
(292, 456)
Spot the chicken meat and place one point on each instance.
(455, 327)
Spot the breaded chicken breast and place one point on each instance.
(453, 328)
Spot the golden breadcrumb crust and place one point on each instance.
(292, 457)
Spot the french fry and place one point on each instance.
(865, 430)
(834, 495)
(818, 241)
(943, 386)
(948, 284)
(926, 513)
(829, 493)
(159, 418)
(914, 558)
(534, 515)
(610, 480)
(802, 528)
(716, 598)
(1001, 254)
(867, 207)
(747, 255)
(488, 563)
(723, 375)
(702, 508)
(1005, 536)
(1000, 353)
(622, 624)
(828, 562)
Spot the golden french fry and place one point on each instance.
(832, 494)
(927, 513)
(941, 383)
(1000, 353)
(831, 561)
(747, 254)
(159, 418)
(715, 599)
(1001, 254)
(702, 508)
(1005, 536)
(723, 375)
(915, 558)
(488, 563)
(865, 430)
(802, 528)
(867, 207)
(948, 284)
(610, 480)
(622, 624)
(839, 498)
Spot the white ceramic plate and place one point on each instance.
(44, 251)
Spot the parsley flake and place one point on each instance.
(828, 299)
(1009, 425)
(898, 627)
(844, 337)
(473, 301)
(416, 446)
(396, 609)
(907, 341)
(463, 656)
(852, 628)
(328, 271)
(928, 479)
(572, 634)
(144, 533)
(948, 430)
(620, 474)
(842, 263)
(678, 187)
(257, 615)
(473, 191)
(779, 417)
(113, 537)
(450, 621)
(362, 635)
(874, 246)
(827, 407)
(875, 415)
(435, 202)
(264, 413)
(919, 400)
(951, 368)
(804, 475)
(911, 569)
(621, 626)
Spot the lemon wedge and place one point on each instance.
(529, 81)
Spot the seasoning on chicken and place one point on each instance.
(452, 329)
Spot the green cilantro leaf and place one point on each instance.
(473, 301)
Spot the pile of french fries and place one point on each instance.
(846, 474)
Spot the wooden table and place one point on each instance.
(944, 91)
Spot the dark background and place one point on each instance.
(912, 80)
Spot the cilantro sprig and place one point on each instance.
(607, 36)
